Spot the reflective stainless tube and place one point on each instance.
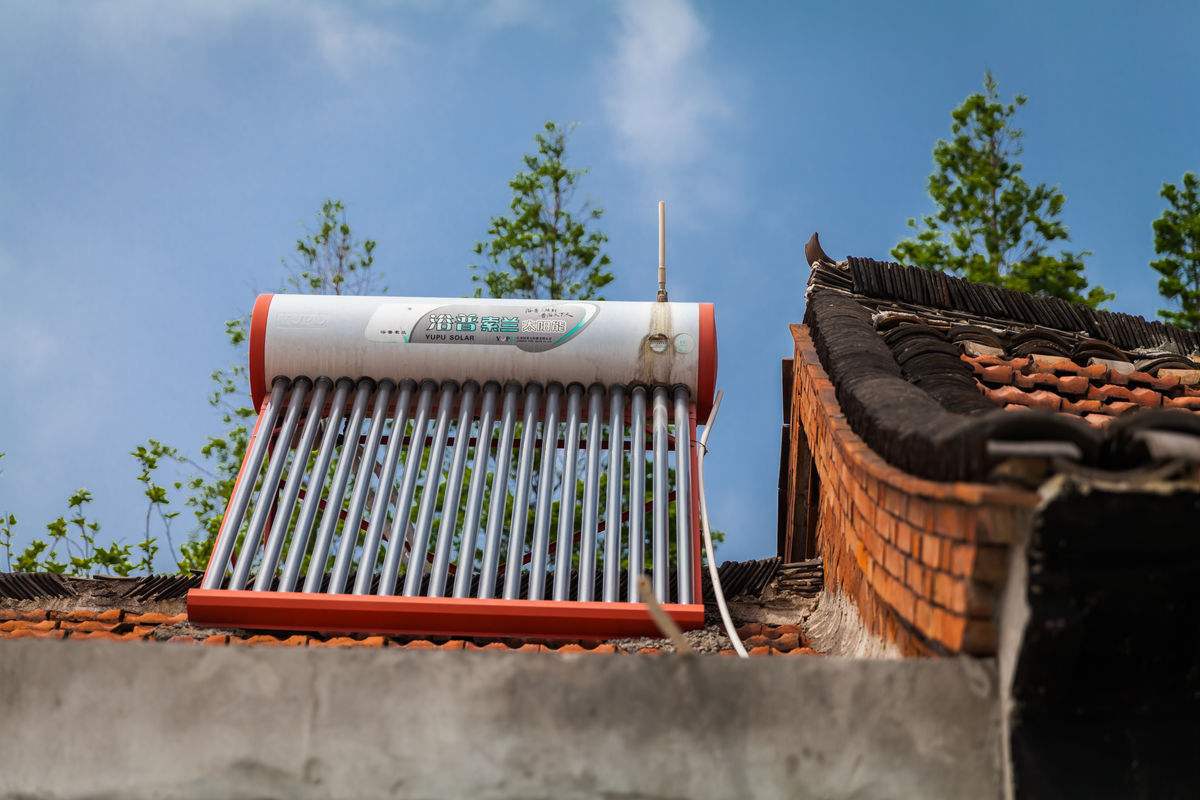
(591, 495)
(291, 488)
(566, 507)
(232, 521)
(637, 491)
(316, 483)
(520, 515)
(362, 485)
(383, 493)
(470, 531)
(381, 480)
(683, 495)
(495, 523)
(612, 508)
(541, 517)
(458, 461)
(433, 475)
(661, 504)
(270, 486)
(412, 468)
(333, 507)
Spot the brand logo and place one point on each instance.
(533, 327)
(296, 319)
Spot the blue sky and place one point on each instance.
(157, 162)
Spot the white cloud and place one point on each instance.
(663, 100)
(343, 39)
(348, 43)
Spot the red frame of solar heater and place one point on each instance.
(447, 616)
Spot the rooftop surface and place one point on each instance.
(154, 610)
(923, 364)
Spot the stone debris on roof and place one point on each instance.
(116, 625)
(152, 609)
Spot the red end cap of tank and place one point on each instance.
(706, 380)
(258, 349)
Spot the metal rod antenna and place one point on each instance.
(662, 251)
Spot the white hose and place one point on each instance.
(708, 545)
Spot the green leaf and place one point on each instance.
(990, 225)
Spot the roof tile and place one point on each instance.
(1118, 408)
(1044, 363)
(1188, 377)
(1073, 384)
(27, 625)
(1081, 406)
(31, 633)
(1109, 392)
(1192, 403)
(1146, 397)
(1035, 379)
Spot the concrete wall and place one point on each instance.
(101, 720)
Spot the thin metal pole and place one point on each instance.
(591, 495)
(270, 485)
(612, 508)
(470, 531)
(458, 461)
(541, 517)
(337, 491)
(383, 491)
(683, 495)
(362, 484)
(316, 482)
(637, 491)
(433, 475)
(566, 504)
(520, 515)
(661, 564)
(232, 521)
(291, 488)
(499, 499)
(412, 469)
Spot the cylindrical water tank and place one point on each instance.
(568, 341)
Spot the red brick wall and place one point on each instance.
(922, 560)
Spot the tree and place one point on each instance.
(544, 249)
(991, 226)
(1177, 240)
(72, 548)
(328, 259)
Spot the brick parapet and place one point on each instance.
(923, 560)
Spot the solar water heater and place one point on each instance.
(466, 467)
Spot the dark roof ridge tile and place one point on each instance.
(887, 280)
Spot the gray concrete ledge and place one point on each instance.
(106, 720)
